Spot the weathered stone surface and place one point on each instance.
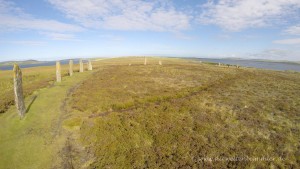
(71, 67)
(159, 62)
(219, 64)
(80, 65)
(18, 90)
(58, 72)
(145, 61)
(90, 66)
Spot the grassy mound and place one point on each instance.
(124, 114)
(185, 114)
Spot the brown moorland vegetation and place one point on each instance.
(187, 115)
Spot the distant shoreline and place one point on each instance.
(254, 63)
(241, 59)
(37, 64)
(259, 64)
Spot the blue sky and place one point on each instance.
(61, 29)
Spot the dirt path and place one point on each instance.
(38, 139)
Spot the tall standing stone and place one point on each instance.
(80, 65)
(58, 72)
(219, 64)
(71, 67)
(145, 61)
(90, 66)
(159, 62)
(18, 90)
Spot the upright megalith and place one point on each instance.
(90, 66)
(71, 67)
(58, 72)
(145, 61)
(80, 65)
(18, 90)
(159, 62)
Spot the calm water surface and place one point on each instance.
(256, 64)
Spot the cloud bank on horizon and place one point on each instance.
(56, 29)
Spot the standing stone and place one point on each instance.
(80, 65)
(71, 67)
(159, 62)
(58, 72)
(219, 64)
(18, 90)
(145, 61)
(90, 66)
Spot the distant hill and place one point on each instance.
(7, 63)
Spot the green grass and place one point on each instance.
(33, 79)
(170, 116)
(37, 140)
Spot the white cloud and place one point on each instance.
(124, 14)
(13, 18)
(24, 42)
(179, 35)
(293, 30)
(111, 37)
(288, 41)
(235, 15)
(224, 37)
(59, 36)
